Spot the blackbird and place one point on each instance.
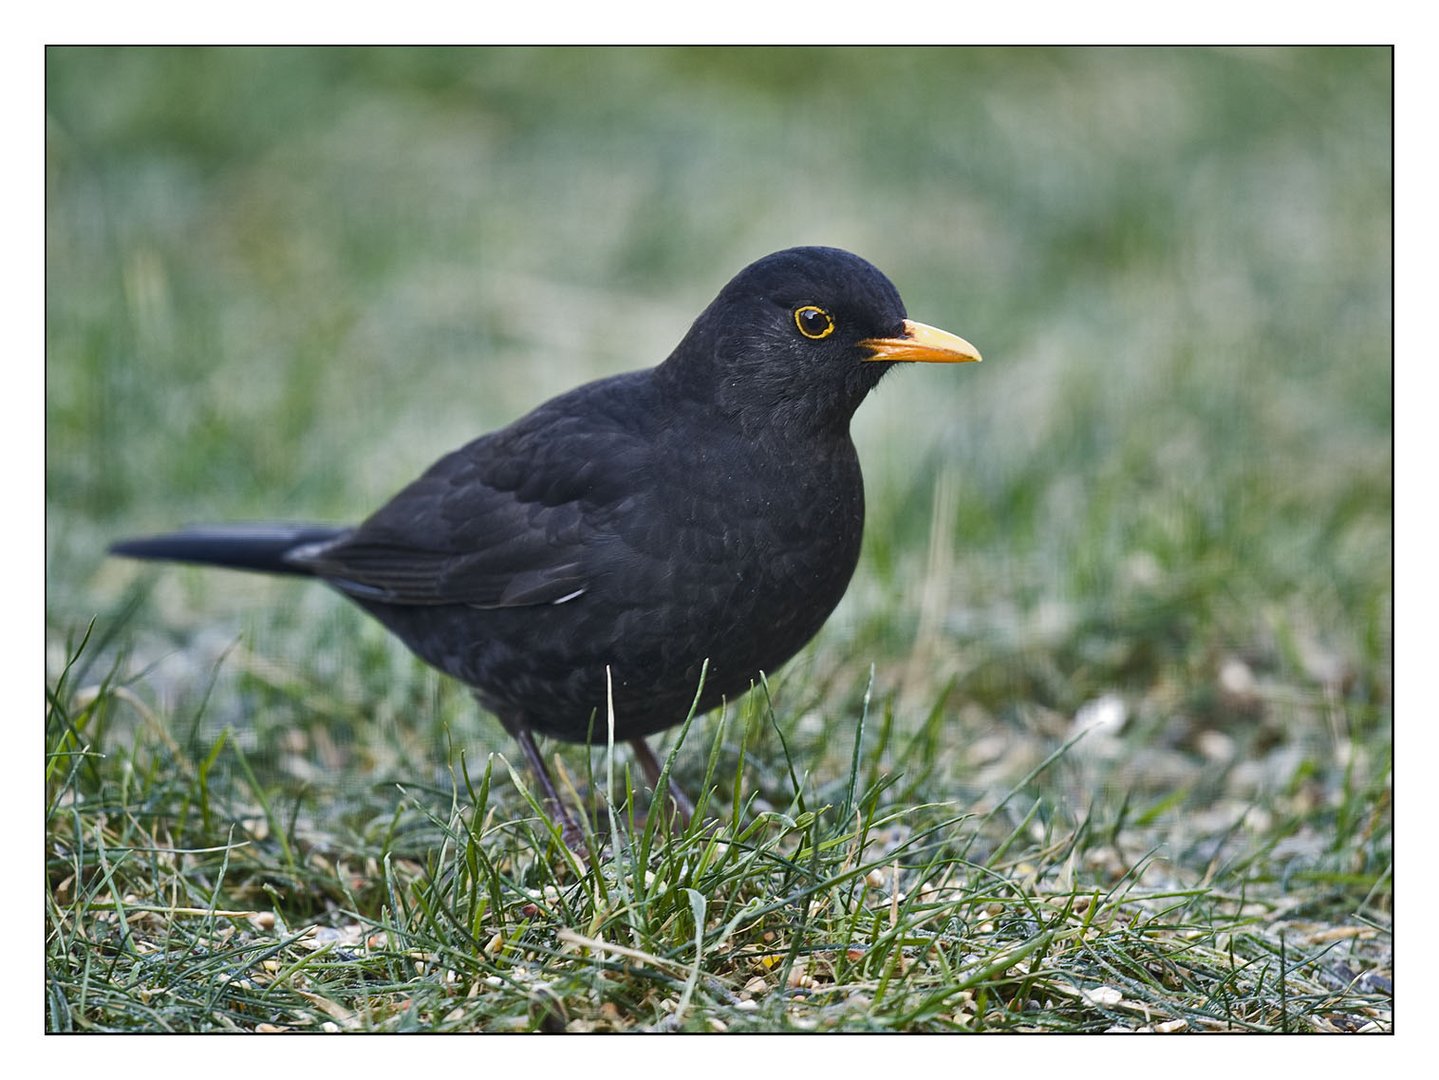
(701, 517)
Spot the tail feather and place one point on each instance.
(262, 548)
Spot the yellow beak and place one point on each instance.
(922, 344)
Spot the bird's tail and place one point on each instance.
(263, 548)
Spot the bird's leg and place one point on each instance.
(570, 830)
(650, 766)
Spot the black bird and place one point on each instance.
(699, 516)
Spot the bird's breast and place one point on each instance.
(762, 539)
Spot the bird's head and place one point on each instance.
(800, 337)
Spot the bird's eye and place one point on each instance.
(813, 322)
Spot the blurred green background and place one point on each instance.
(280, 282)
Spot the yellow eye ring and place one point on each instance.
(813, 322)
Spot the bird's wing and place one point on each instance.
(512, 519)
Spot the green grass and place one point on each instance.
(281, 282)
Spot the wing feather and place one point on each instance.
(515, 518)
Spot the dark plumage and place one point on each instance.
(705, 510)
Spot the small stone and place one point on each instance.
(1103, 995)
(1104, 715)
(1215, 746)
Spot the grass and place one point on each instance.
(851, 905)
(1100, 738)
